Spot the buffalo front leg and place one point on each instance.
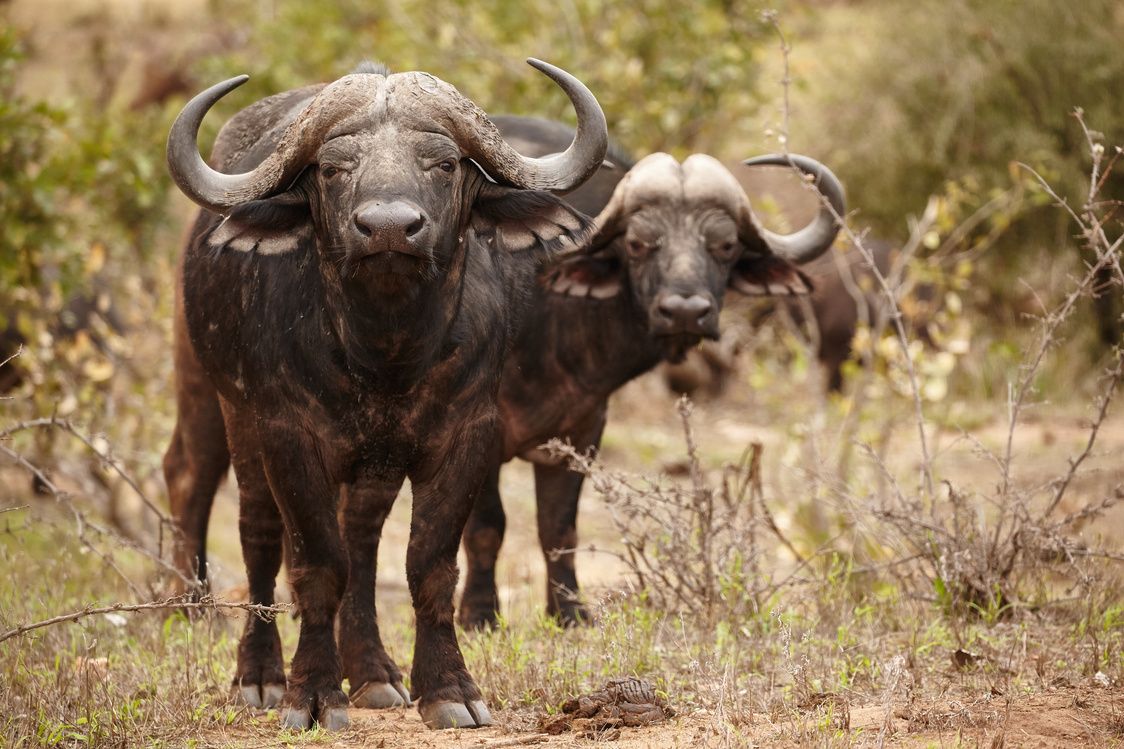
(374, 678)
(557, 491)
(259, 679)
(483, 536)
(318, 571)
(446, 693)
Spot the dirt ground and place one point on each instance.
(1069, 717)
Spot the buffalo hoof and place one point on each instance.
(441, 715)
(330, 719)
(377, 696)
(266, 696)
(296, 719)
(333, 719)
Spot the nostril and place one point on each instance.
(361, 227)
(701, 308)
(415, 228)
(687, 312)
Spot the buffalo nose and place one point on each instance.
(685, 314)
(397, 226)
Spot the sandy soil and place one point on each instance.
(1069, 717)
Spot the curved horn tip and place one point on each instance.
(545, 67)
(222, 89)
(190, 173)
(815, 239)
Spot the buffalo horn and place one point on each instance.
(815, 238)
(559, 173)
(219, 192)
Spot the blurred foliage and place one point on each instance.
(933, 91)
(83, 204)
(673, 76)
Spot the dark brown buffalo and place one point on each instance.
(350, 291)
(843, 284)
(846, 293)
(669, 240)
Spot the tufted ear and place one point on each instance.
(527, 220)
(595, 270)
(767, 274)
(598, 275)
(272, 226)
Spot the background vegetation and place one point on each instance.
(849, 579)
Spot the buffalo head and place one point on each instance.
(389, 173)
(675, 235)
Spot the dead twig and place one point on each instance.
(265, 612)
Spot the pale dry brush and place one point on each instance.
(88, 530)
(977, 549)
(692, 548)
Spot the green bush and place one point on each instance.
(676, 76)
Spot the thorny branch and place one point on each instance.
(106, 459)
(770, 16)
(82, 521)
(181, 602)
(694, 547)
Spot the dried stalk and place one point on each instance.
(182, 602)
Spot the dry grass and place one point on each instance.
(857, 572)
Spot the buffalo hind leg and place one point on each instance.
(483, 536)
(557, 490)
(194, 466)
(374, 678)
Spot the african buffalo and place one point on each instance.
(669, 239)
(350, 292)
(845, 294)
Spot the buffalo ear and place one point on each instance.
(760, 274)
(528, 220)
(598, 275)
(273, 226)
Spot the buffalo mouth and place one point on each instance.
(388, 271)
(673, 347)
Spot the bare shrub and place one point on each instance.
(695, 549)
(985, 552)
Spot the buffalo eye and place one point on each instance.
(327, 172)
(725, 250)
(447, 166)
(637, 248)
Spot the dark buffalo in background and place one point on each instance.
(846, 294)
(670, 239)
(345, 302)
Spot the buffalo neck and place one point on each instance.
(393, 339)
(598, 344)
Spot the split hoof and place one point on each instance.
(377, 696)
(272, 694)
(296, 719)
(442, 715)
(330, 719)
(480, 713)
(259, 696)
(333, 719)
